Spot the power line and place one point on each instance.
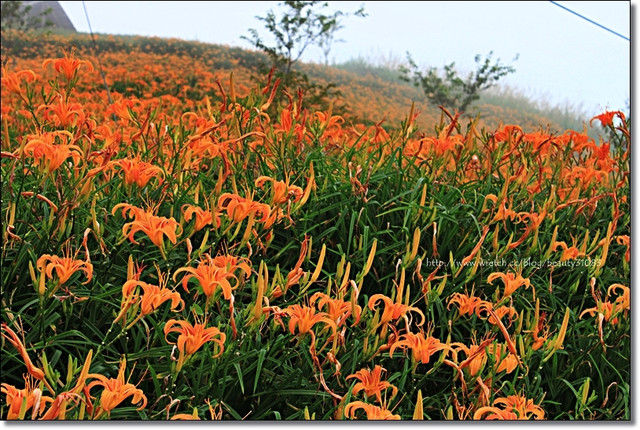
(590, 20)
(95, 47)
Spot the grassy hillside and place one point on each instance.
(368, 92)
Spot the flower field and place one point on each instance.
(184, 246)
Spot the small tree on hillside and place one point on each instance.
(301, 25)
(450, 90)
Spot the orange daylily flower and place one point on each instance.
(213, 273)
(606, 118)
(422, 346)
(238, 208)
(49, 154)
(154, 226)
(538, 338)
(568, 252)
(282, 192)
(31, 395)
(153, 296)
(476, 355)
(64, 113)
(502, 311)
(337, 309)
(138, 171)
(58, 408)
(467, 304)
(393, 311)
(12, 81)
(504, 359)
(123, 108)
(513, 408)
(511, 281)
(115, 391)
(371, 383)
(65, 267)
(192, 337)
(372, 412)
(68, 65)
(305, 317)
(203, 217)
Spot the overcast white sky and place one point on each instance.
(562, 58)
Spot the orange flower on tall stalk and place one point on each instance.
(476, 355)
(12, 81)
(64, 113)
(511, 281)
(422, 346)
(304, 318)
(511, 408)
(203, 217)
(606, 118)
(123, 109)
(68, 66)
(372, 412)
(214, 273)
(138, 171)
(393, 311)
(49, 154)
(371, 383)
(568, 252)
(155, 227)
(191, 338)
(115, 391)
(238, 208)
(539, 336)
(30, 395)
(467, 304)
(337, 309)
(64, 267)
(281, 192)
(153, 296)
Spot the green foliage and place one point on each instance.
(449, 89)
(15, 15)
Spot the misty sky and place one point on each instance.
(562, 59)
